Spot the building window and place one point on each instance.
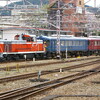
(70, 4)
(80, 2)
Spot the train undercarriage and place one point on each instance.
(48, 55)
(63, 54)
(15, 57)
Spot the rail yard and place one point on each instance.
(49, 49)
(72, 79)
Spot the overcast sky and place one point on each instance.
(91, 2)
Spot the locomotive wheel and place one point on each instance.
(2, 59)
(8, 58)
(15, 57)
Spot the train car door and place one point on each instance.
(7, 47)
(92, 45)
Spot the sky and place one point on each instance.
(91, 2)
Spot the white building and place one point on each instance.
(9, 33)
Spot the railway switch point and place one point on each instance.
(38, 79)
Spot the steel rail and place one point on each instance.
(24, 76)
(48, 85)
(75, 78)
(46, 72)
(51, 97)
(44, 64)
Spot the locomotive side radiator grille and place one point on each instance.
(7, 47)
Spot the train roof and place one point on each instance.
(55, 35)
(62, 37)
(67, 37)
(13, 41)
(94, 37)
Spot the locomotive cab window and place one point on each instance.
(28, 39)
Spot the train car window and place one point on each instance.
(95, 43)
(81, 43)
(74, 43)
(62, 43)
(53, 43)
(66, 43)
(77, 43)
(99, 43)
(70, 43)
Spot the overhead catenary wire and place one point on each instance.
(68, 21)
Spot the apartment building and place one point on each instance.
(71, 15)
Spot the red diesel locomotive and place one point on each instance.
(24, 46)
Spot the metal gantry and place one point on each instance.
(58, 33)
(58, 17)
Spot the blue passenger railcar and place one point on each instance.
(75, 46)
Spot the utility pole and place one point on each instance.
(58, 31)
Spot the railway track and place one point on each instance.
(26, 92)
(24, 76)
(23, 60)
(48, 63)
